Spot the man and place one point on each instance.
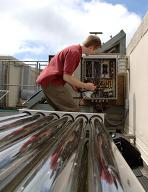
(59, 71)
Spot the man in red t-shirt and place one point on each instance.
(59, 71)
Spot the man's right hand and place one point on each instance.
(90, 86)
(77, 83)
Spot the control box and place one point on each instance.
(102, 71)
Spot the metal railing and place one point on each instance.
(3, 93)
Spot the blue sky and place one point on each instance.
(33, 29)
(138, 6)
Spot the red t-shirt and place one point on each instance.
(65, 62)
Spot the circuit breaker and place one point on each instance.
(102, 71)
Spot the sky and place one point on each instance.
(34, 29)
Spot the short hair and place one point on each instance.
(92, 40)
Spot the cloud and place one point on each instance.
(52, 24)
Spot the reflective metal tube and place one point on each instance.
(58, 170)
(27, 154)
(58, 173)
(12, 117)
(106, 173)
(10, 137)
(62, 154)
(21, 121)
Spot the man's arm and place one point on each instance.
(75, 82)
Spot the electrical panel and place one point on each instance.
(102, 71)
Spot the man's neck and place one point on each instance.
(84, 49)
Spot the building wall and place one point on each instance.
(14, 80)
(137, 52)
(19, 79)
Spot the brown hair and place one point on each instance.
(92, 40)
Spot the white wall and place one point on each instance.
(138, 95)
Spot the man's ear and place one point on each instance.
(92, 47)
(89, 48)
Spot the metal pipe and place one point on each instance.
(55, 164)
(101, 161)
(21, 121)
(10, 137)
(70, 158)
(63, 155)
(105, 163)
(10, 117)
(30, 152)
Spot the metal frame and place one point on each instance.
(61, 113)
(5, 93)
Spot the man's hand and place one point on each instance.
(77, 83)
(76, 89)
(90, 86)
